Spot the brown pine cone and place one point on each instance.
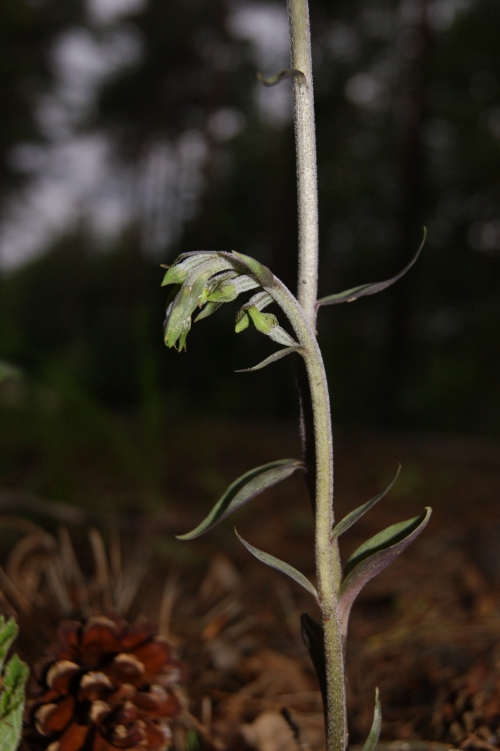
(104, 686)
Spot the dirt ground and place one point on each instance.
(426, 631)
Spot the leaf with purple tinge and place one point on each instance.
(243, 490)
(373, 556)
(285, 568)
(313, 637)
(353, 516)
(272, 358)
(349, 295)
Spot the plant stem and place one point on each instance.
(328, 569)
(305, 144)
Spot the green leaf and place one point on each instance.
(313, 638)
(12, 696)
(272, 358)
(350, 295)
(8, 632)
(243, 490)
(386, 538)
(373, 556)
(285, 568)
(12, 703)
(8, 371)
(264, 276)
(374, 734)
(353, 516)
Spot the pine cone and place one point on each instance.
(104, 686)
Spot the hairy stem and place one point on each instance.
(327, 555)
(305, 143)
(303, 319)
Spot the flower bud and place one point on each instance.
(263, 322)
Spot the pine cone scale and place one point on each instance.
(60, 675)
(73, 737)
(51, 718)
(105, 686)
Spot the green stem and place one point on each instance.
(302, 315)
(305, 144)
(327, 555)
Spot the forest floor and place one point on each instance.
(426, 631)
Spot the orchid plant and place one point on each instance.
(201, 282)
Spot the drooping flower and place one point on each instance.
(205, 280)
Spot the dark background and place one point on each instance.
(408, 125)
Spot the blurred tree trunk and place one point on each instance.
(401, 297)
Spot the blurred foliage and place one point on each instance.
(408, 117)
(12, 696)
(26, 32)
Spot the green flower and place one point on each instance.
(205, 280)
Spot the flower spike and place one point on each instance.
(207, 279)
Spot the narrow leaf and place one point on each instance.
(264, 276)
(313, 638)
(354, 293)
(353, 516)
(374, 734)
(386, 538)
(272, 358)
(373, 556)
(285, 568)
(279, 335)
(243, 490)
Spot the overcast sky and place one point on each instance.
(74, 176)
